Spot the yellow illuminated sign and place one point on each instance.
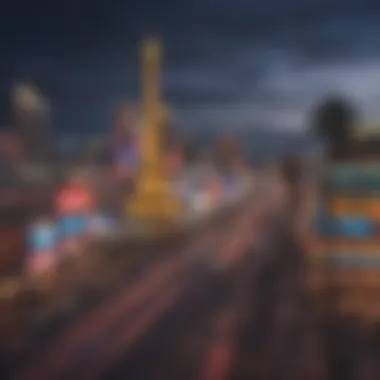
(365, 207)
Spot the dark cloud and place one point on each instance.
(226, 62)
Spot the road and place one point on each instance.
(192, 316)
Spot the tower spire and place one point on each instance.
(153, 200)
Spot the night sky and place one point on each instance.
(229, 63)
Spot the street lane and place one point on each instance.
(61, 355)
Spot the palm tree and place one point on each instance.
(333, 120)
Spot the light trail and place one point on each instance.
(68, 345)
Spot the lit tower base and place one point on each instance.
(153, 199)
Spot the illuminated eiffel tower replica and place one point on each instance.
(153, 200)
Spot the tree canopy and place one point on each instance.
(333, 120)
